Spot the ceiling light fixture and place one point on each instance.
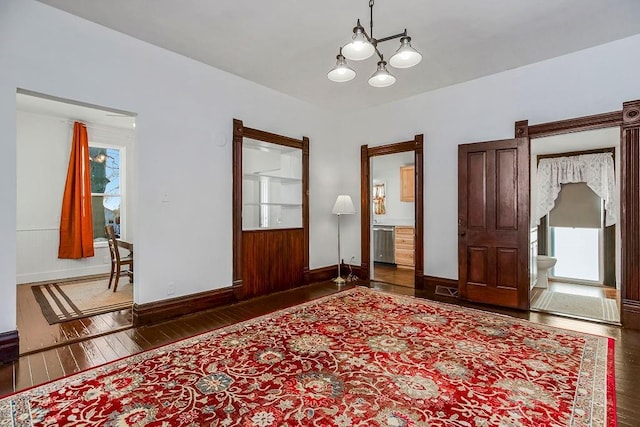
(363, 46)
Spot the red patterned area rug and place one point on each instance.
(357, 358)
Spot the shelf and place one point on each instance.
(284, 205)
(281, 179)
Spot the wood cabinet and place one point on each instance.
(407, 183)
(404, 246)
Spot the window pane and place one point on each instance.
(577, 251)
(106, 211)
(105, 170)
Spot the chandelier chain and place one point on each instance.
(371, 18)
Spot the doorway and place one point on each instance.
(577, 261)
(392, 213)
(393, 220)
(63, 300)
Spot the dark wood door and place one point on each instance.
(493, 222)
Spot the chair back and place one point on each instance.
(113, 243)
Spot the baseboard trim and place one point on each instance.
(9, 346)
(432, 282)
(630, 314)
(158, 311)
(324, 274)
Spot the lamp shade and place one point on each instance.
(360, 48)
(343, 206)
(406, 56)
(341, 72)
(381, 78)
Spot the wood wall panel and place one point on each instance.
(506, 190)
(477, 193)
(273, 260)
(507, 267)
(478, 262)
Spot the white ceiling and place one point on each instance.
(290, 45)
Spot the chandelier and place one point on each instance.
(363, 46)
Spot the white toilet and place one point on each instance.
(544, 263)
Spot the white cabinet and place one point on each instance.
(271, 186)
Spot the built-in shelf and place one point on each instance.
(271, 186)
(273, 178)
(284, 205)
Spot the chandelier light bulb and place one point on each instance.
(341, 72)
(381, 78)
(406, 56)
(360, 48)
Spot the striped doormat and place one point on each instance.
(65, 301)
(605, 309)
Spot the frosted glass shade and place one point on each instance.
(381, 78)
(341, 72)
(406, 56)
(360, 48)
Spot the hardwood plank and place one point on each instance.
(22, 371)
(38, 368)
(67, 360)
(53, 365)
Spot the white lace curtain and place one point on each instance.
(596, 170)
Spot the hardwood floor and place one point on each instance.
(66, 359)
(394, 275)
(36, 334)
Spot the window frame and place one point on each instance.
(123, 188)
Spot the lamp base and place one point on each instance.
(339, 281)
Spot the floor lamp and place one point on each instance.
(343, 206)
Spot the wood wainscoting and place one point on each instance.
(273, 260)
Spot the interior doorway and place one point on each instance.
(67, 300)
(393, 218)
(577, 251)
(392, 213)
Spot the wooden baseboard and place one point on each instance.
(158, 311)
(630, 314)
(9, 346)
(432, 282)
(324, 274)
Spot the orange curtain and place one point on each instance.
(76, 228)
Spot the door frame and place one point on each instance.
(628, 120)
(366, 153)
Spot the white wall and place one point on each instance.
(386, 169)
(182, 148)
(43, 146)
(588, 82)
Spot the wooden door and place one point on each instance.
(493, 222)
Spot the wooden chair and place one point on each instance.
(119, 265)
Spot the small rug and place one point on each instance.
(359, 357)
(605, 309)
(65, 301)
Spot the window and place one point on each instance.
(578, 252)
(107, 189)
